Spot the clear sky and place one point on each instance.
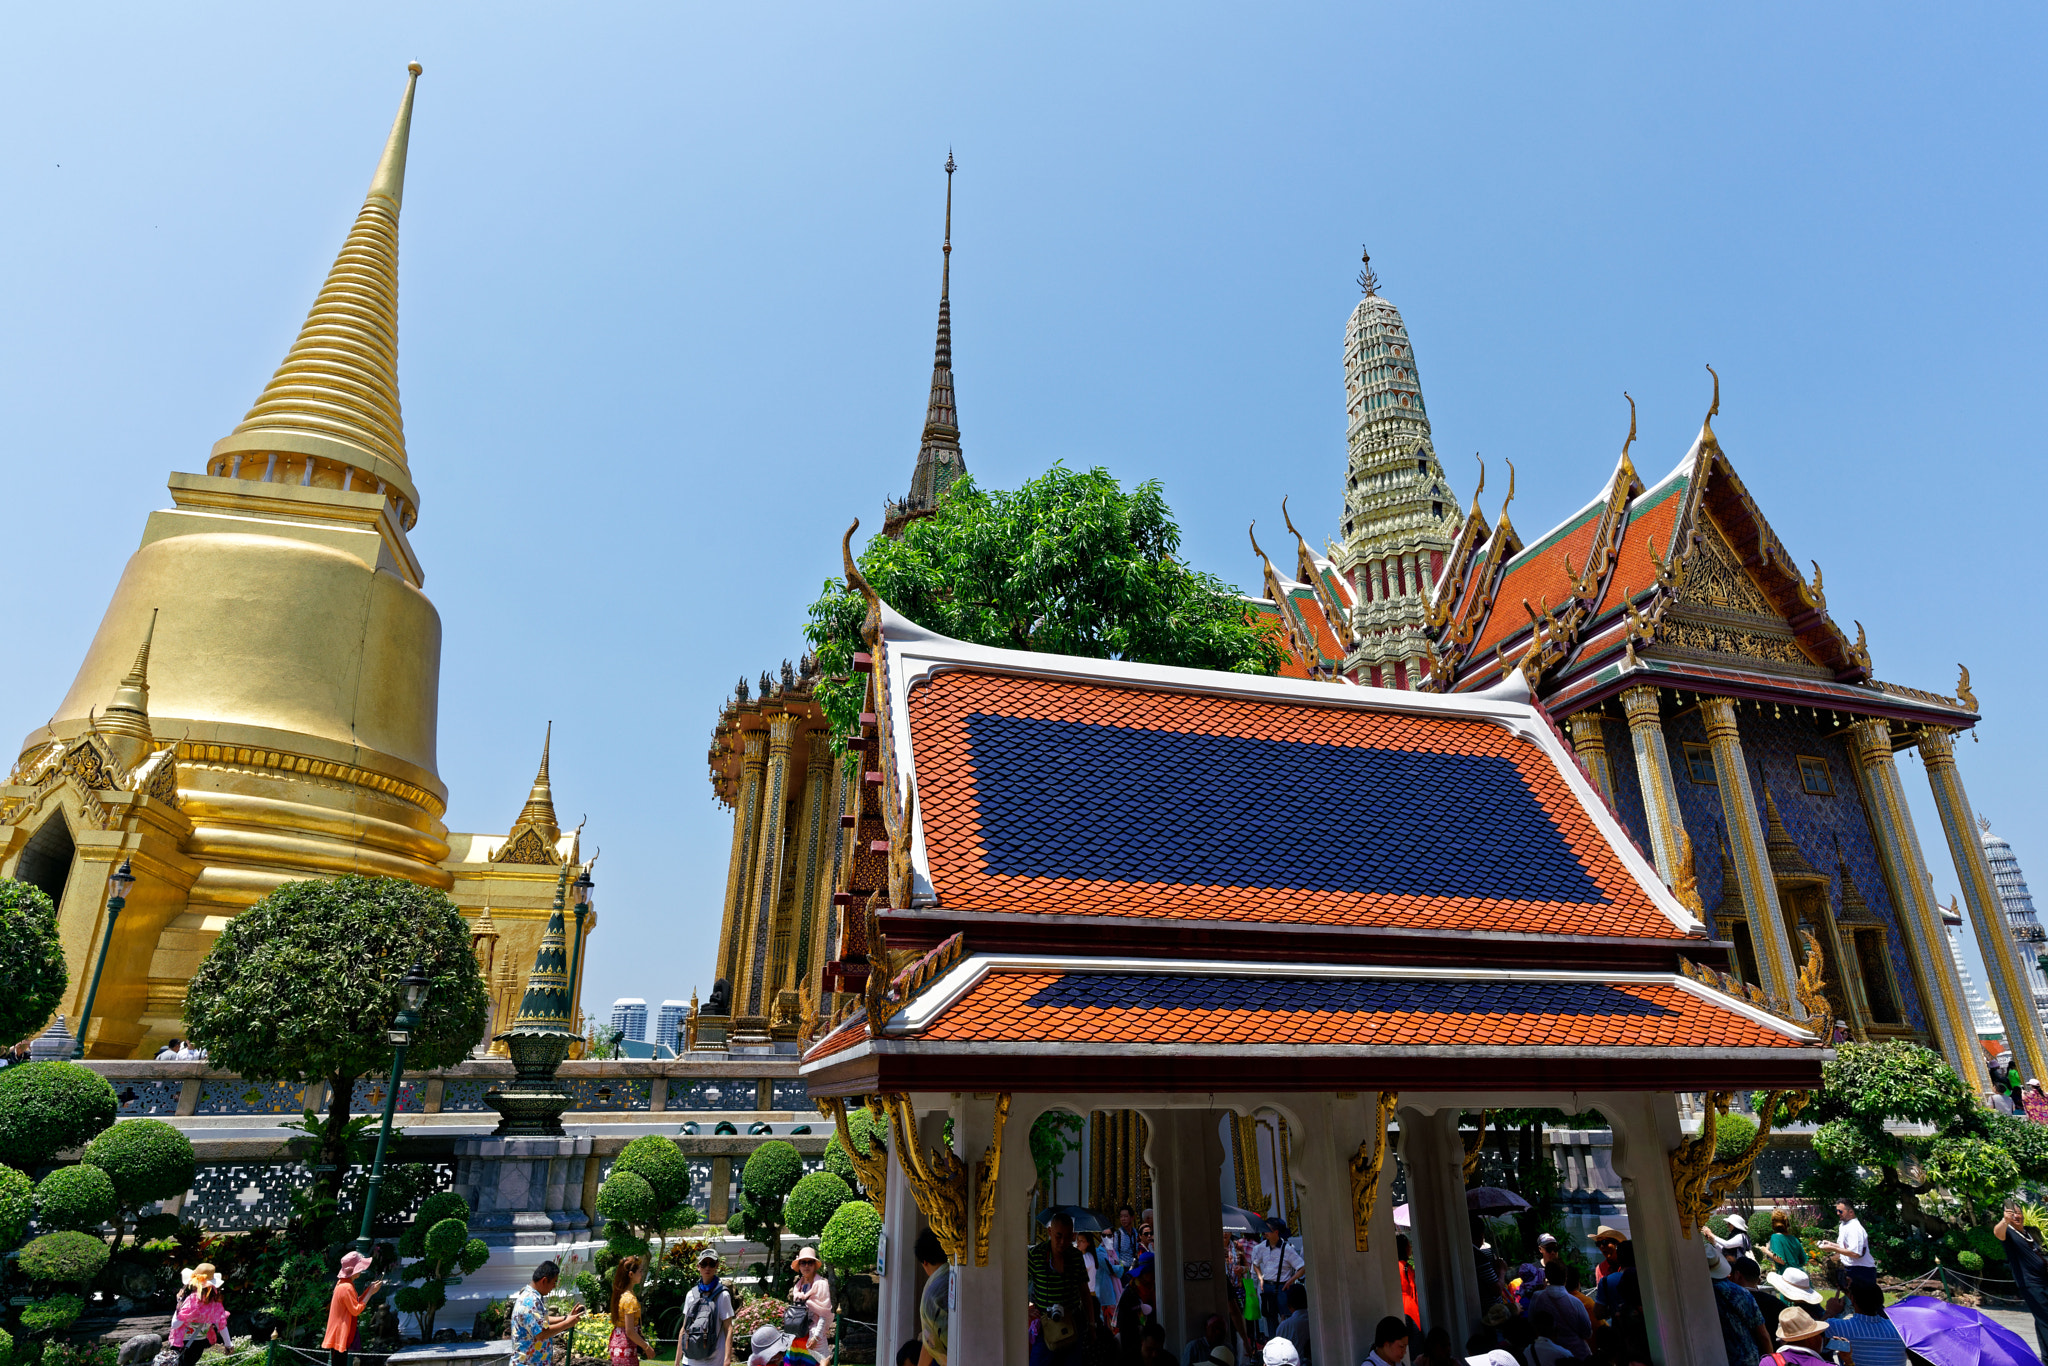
(670, 275)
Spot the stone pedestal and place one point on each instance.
(524, 1192)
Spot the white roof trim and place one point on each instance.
(915, 654)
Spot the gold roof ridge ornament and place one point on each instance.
(1708, 441)
(127, 715)
(334, 397)
(535, 834)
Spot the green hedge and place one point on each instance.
(813, 1202)
(79, 1197)
(67, 1258)
(661, 1164)
(17, 1202)
(46, 1107)
(851, 1237)
(146, 1159)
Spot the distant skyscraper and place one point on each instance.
(1982, 1017)
(2019, 911)
(668, 1022)
(629, 1017)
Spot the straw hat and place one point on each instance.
(1604, 1231)
(1717, 1265)
(1222, 1355)
(199, 1276)
(1796, 1325)
(809, 1254)
(1794, 1284)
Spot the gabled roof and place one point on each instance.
(1311, 614)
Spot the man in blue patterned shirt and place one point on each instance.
(533, 1328)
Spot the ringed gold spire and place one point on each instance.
(539, 810)
(330, 415)
(128, 713)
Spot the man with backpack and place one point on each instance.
(707, 1316)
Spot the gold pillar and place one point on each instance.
(766, 892)
(1913, 893)
(814, 864)
(1653, 775)
(1775, 960)
(746, 823)
(2002, 961)
(1589, 742)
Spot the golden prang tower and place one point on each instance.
(259, 705)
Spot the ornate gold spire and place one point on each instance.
(335, 397)
(534, 834)
(939, 460)
(128, 713)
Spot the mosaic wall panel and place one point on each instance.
(700, 1184)
(713, 1093)
(465, 1097)
(233, 1197)
(792, 1095)
(149, 1097)
(368, 1096)
(230, 1096)
(1773, 745)
(608, 1093)
(1779, 1171)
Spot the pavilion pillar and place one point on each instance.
(990, 1318)
(746, 818)
(1678, 1295)
(1653, 776)
(1775, 961)
(896, 1319)
(1589, 742)
(1349, 1290)
(755, 1001)
(1187, 1228)
(1439, 1224)
(2002, 962)
(1913, 893)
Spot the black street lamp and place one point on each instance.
(118, 883)
(413, 991)
(580, 888)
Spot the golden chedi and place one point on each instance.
(259, 704)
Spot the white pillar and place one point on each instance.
(1186, 1152)
(1439, 1225)
(1349, 1291)
(989, 1315)
(1678, 1295)
(896, 1315)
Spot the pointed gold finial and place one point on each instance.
(1631, 425)
(126, 719)
(1511, 491)
(1707, 437)
(1482, 485)
(1367, 280)
(871, 623)
(1963, 693)
(332, 407)
(539, 811)
(1253, 532)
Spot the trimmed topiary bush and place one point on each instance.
(851, 1238)
(6, 1348)
(34, 956)
(772, 1171)
(46, 1107)
(79, 1197)
(146, 1159)
(813, 1202)
(662, 1165)
(17, 1202)
(52, 1315)
(627, 1198)
(68, 1258)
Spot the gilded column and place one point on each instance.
(746, 823)
(1589, 742)
(2002, 961)
(814, 863)
(1906, 867)
(1653, 775)
(766, 890)
(1775, 959)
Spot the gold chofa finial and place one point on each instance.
(1253, 532)
(1511, 488)
(871, 623)
(1482, 484)
(1367, 280)
(1707, 422)
(127, 715)
(1963, 693)
(1631, 425)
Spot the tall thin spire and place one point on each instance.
(539, 811)
(939, 460)
(334, 399)
(128, 713)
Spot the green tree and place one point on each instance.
(47, 1107)
(658, 1212)
(870, 1135)
(813, 1202)
(35, 977)
(147, 1160)
(17, 1203)
(75, 1198)
(851, 1237)
(304, 984)
(1054, 1134)
(438, 1240)
(1071, 563)
(771, 1173)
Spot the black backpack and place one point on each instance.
(700, 1320)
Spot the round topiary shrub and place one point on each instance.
(852, 1236)
(772, 1172)
(662, 1164)
(812, 1203)
(736, 1224)
(678, 1217)
(79, 1197)
(1970, 1262)
(17, 1202)
(6, 1347)
(46, 1107)
(446, 1240)
(63, 1258)
(620, 1243)
(52, 1315)
(146, 1159)
(34, 956)
(442, 1205)
(627, 1198)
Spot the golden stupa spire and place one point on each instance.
(128, 714)
(333, 403)
(539, 811)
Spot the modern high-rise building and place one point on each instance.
(629, 1017)
(669, 1022)
(2019, 910)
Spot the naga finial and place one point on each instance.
(1963, 693)
(871, 624)
(1713, 409)
(1511, 488)
(1252, 531)
(1631, 425)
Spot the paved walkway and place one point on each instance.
(2019, 1321)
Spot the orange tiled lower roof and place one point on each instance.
(1043, 795)
(1055, 1007)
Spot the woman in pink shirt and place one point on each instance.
(814, 1292)
(201, 1317)
(344, 1308)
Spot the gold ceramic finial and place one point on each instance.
(1511, 491)
(127, 715)
(1482, 484)
(1707, 422)
(333, 404)
(539, 811)
(1631, 425)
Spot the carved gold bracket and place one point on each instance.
(986, 1170)
(1366, 1165)
(1701, 1183)
(1478, 1147)
(871, 1168)
(939, 1180)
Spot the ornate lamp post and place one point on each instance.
(118, 883)
(413, 989)
(581, 898)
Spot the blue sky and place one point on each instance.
(669, 278)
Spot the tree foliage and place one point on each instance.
(34, 977)
(870, 1135)
(438, 1241)
(813, 1202)
(1070, 563)
(146, 1159)
(17, 1202)
(64, 1258)
(851, 1237)
(46, 1107)
(79, 1197)
(304, 984)
(662, 1163)
(1054, 1134)
(627, 1198)
(771, 1173)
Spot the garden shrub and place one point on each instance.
(851, 1237)
(80, 1197)
(659, 1162)
(65, 1258)
(146, 1159)
(17, 1202)
(773, 1169)
(34, 955)
(813, 1201)
(1732, 1134)
(52, 1315)
(6, 1348)
(627, 1198)
(46, 1107)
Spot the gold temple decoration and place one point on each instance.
(1244, 1147)
(1478, 1147)
(1687, 888)
(1810, 987)
(1703, 1183)
(939, 1180)
(872, 1168)
(1963, 693)
(536, 831)
(1366, 1165)
(987, 1168)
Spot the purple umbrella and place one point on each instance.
(1950, 1335)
